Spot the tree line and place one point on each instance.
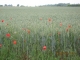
(62, 5)
(10, 5)
(48, 5)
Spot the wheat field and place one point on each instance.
(39, 33)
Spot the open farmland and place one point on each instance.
(39, 33)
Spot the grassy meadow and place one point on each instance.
(39, 33)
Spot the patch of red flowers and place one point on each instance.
(44, 47)
(28, 31)
(8, 35)
(67, 29)
(0, 45)
(69, 26)
(2, 21)
(14, 42)
(49, 20)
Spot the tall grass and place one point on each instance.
(32, 30)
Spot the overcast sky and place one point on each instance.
(36, 2)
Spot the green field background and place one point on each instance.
(17, 20)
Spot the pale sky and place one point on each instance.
(36, 2)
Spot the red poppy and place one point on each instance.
(14, 42)
(0, 45)
(67, 29)
(2, 21)
(8, 35)
(28, 31)
(60, 24)
(69, 26)
(49, 20)
(44, 47)
(40, 18)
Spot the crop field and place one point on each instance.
(39, 33)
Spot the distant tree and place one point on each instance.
(1, 5)
(5, 5)
(74, 5)
(22, 6)
(10, 5)
(17, 5)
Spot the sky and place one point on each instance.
(36, 2)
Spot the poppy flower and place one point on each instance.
(49, 20)
(0, 45)
(2, 21)
(44, 47)
(67, 29)
(28, 31)
(60, 24)
(69, 26)
(14, 42)
(40, 18)
(8, 35)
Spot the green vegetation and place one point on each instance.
(47, 5)
(40, 33)
(61, 5)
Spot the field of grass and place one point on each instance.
(40, 33)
